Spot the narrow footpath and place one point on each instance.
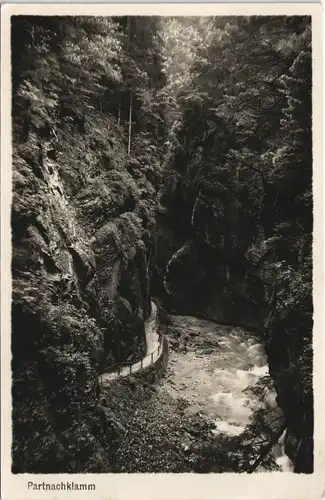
(153, 351)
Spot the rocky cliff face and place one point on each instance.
(205, 264)
(223, 262)
(88, 143)
(83, 240)
(80, 287)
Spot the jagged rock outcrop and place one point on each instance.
(200, 278)
(80, 298)
(83, 244)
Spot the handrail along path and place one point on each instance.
(153, 351)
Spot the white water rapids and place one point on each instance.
(211, 366)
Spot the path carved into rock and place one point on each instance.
(153, 351)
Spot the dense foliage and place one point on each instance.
(214, 116)
(241, 181)
(85, 174)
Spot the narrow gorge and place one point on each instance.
(162, 221)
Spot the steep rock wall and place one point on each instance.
(83, 240)
(222, 265)
(80, 296)
(205, 266)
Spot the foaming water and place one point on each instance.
(215, 372)
(281, 458)
(231, 429)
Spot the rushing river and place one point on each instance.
(211, 366)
